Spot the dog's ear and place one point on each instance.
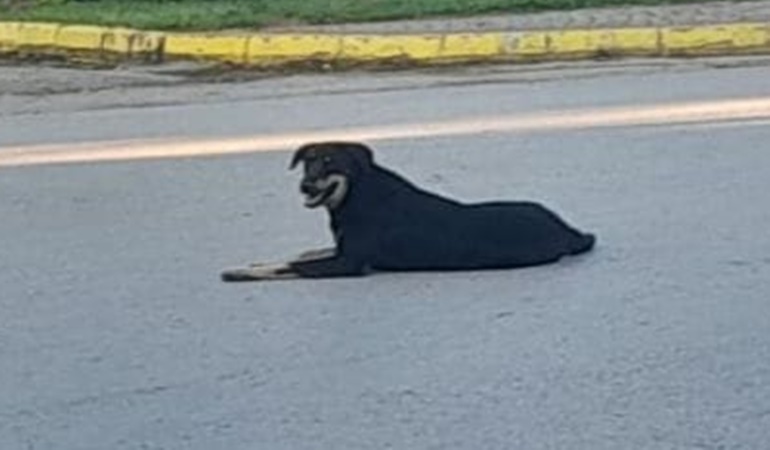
(361, 154)
(299, 155)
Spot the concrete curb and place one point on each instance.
(261, 49)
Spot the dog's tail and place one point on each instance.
(584, 243)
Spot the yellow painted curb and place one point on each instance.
(56, 39)
(262, 49)
(231, 49)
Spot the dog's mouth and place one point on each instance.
(328, 191)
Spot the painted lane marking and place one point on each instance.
(679, 114)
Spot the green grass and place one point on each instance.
(223, 14)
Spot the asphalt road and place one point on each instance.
(115, 332)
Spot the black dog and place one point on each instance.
(381, 221)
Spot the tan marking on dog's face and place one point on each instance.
(332, 191)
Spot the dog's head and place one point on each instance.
(331, 168)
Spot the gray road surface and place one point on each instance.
(116, 334)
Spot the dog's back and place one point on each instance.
(418, 230)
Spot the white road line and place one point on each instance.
(676, 114)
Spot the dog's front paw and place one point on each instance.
(235, 275)
(262, 272)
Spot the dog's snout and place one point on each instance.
(308, 187)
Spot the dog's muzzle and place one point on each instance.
(329, 191)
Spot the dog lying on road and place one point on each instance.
(382, 222)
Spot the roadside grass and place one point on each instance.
(253, 14)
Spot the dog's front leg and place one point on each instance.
(261, 272)
(334, 266)
(305, 256)
(317, 254)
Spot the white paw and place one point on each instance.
(260, 272)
